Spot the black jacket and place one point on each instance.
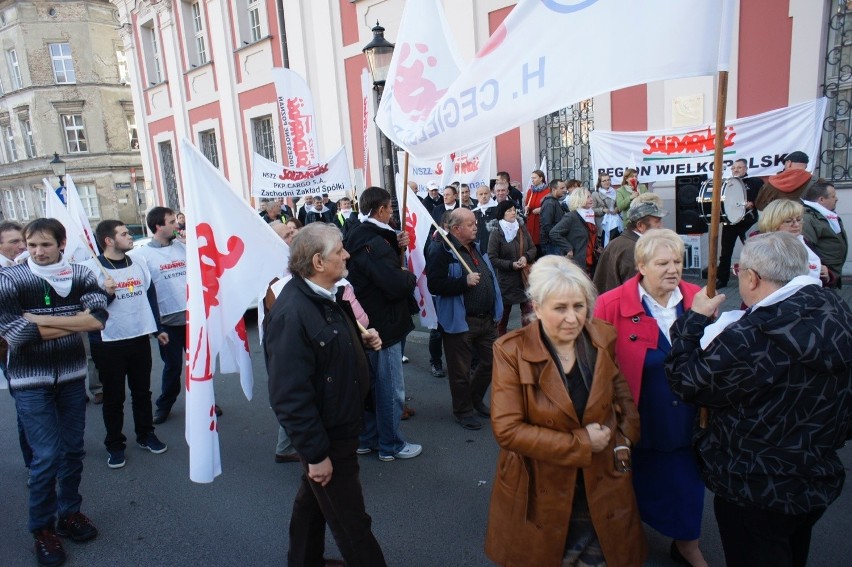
(778, 384)
(383, 288)
(552, 212)
(318, 371)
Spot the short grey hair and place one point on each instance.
(777, 257)
(557, 275)
(651, 240)
(316, 238)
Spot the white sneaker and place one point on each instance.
(404, 359)
(409, 451)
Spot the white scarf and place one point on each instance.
(58, 275)
(725, 319)
(830, 216)
(380, 225)
(609, 193)
(486, 206)
(510, 229)
(587, 214)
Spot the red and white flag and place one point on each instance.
(231, 255)
(366, 110)
(418, 225)
(77, 249)
(78, 213)
(298, 119)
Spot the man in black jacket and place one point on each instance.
(319, 376)
(777, 379)
(552, 211)
(386, 292)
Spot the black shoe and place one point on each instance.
(481, 409)
(160, 416)
(76, 526)
(437, 371)
(470, 423)
(48, 548)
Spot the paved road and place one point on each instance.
(429, 511)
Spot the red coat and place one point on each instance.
(533, 201)
(636, 332)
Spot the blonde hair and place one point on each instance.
(577, 199)
(557, 275)
(777, 212)
(653, 239)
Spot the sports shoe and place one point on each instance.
(116, 459)
(408, 451)
(76, 526)
(160, 416)
(48, 548)
(437, 371)
(363, 450)
(404, 359)
(153, 444)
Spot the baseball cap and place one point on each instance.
(645, 210)
(432, 185)
(797, 157)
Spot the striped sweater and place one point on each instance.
(37, 363)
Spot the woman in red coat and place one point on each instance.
(532, 204)
(668, 486)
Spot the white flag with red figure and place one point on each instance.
(432, 104)
(418, 224)
(298, 119)
(231, 255)
(78, 213)
(76, 248)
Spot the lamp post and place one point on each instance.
(379, 53)
(58, 167)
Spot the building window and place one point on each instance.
(23, 206)
(151, 50)
(63, 63)
(133, 132)
(41, 194)
(251, 20)
(89, 199)
(254, 21)
(167, 167)
(75, 133)
(207, 142)
(123, 76)
(14, 69)
(264, 137)
(198, 28)
(564, 139)
(9, 144)
(27, 135)
(9, 207)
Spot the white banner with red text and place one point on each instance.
(471, 166)
(763, 140)
(298, 119)
(270, 180)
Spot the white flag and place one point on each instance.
(366, 108)
(431, 106)
(78, 213)
(76, 248)
(231, 254)
(298, 119)
(418, 225)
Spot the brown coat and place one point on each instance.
(542, 444)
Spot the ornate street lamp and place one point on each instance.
(58, 167)
(379, 53)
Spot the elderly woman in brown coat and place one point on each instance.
(564, 419)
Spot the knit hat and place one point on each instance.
(797, 157)
(502, 208)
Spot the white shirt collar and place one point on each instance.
(321, 291)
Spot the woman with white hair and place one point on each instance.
(643, 309)
(575, 236)
(785, 215)
(565, 420)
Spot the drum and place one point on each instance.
(733, 200)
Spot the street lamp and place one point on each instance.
(379, 53)
(58, 167)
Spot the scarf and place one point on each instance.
(829, 215)
(58, 275)
(510, 229)
(608, 193)
(486, 206)
(588, 215)
(538, 188)
(380, 224)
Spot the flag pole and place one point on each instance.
(404, 202)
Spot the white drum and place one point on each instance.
(733, 200)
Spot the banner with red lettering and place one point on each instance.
(433, 104)
(366, 107)
(418, 225)
(471, 166)
(762, 140)
(231, 255)
(298, 119)
(271, 180)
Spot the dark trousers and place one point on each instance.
(340, 504)
(730, 234)
(460, 349)
(174, 359)
(526, 316)
(26, 450)
(115, 361)
(435, 350)
(754, 537)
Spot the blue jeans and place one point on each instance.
(26, 452)
(174, 359)
(54, 419)
(381, 427)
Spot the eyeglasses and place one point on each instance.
(792, 221)
(737, 269)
